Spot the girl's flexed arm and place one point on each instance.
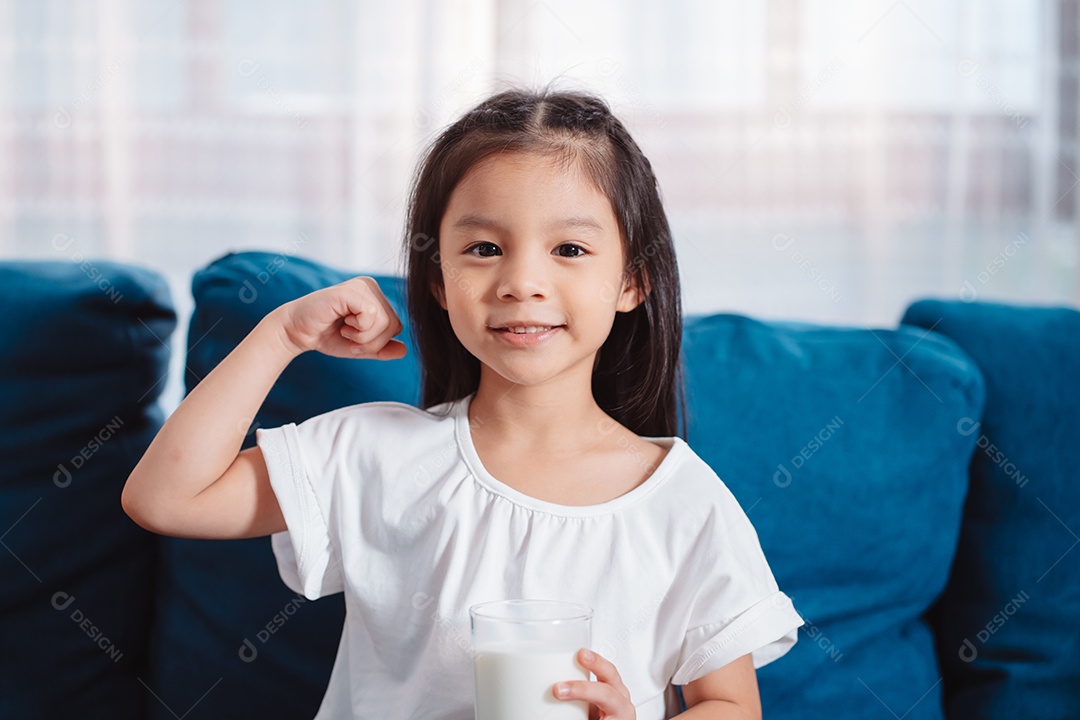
(193, 481)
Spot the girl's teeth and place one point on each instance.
(530, 330)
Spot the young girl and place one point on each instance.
(543, 462)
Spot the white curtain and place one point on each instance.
(822, 160)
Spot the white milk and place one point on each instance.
(514, 682)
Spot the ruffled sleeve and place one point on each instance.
(308, 556)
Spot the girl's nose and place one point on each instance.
(521, 278)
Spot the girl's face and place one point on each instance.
(527, 243)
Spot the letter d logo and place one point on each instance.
(248, 294)
(62, 477)
(781, 478)
(248, 652)
(782, 119)
(966, 67)
(781, 241)
(62, 118)
(61, 600)
(967, 426)
(246, 67)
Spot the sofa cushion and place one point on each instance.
(1009, 622)
(232, 640)
(840, 443)
(83, 358)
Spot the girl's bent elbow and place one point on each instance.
(151, 513)
(138, 511)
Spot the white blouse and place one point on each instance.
(391, 505)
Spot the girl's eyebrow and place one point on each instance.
(473, 220)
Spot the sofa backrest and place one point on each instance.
(1008, 624)
(83, 358)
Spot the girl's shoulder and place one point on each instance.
(389, 411)
(695, 475)
(378, 423)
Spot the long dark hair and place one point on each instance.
(637, 377)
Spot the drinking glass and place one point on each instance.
(521, 648)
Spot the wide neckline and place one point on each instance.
(674, 444)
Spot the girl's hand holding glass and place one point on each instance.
(352, 319)
(607, 696)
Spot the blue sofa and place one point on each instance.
(914, 489)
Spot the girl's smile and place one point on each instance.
(526, 338)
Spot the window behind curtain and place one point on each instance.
(820, 159)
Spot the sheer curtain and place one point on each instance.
(824, 160)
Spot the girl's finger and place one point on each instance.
(394, 350)
(379, 334)
(366, 318)
(395, 321)
(373, 300)
(611, 703)
(604, 670)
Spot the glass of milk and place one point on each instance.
(521, 648)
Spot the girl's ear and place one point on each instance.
(632, 295)
(440, 294)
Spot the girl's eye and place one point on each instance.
(483, 245)
(575, 250)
